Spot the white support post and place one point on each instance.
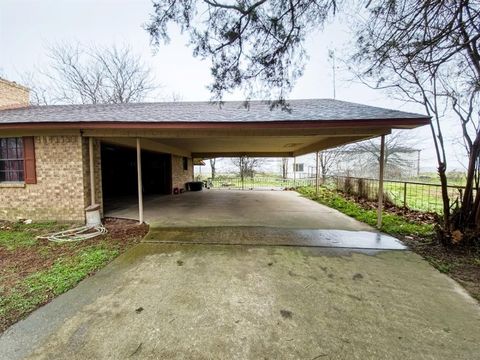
(316, 174)
(380, 182)
(92, 171)
(294, 171)
(139, 181)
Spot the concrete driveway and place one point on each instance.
(281, 209)
(185, 299)
(164, 301)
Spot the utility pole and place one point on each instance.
(331, 55)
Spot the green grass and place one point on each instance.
(17, 235)
(222, 182)
(392, 224)
(50, 268)
(442, 266)
(65, 273)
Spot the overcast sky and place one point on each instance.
(27, 27)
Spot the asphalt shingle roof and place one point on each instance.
(234, 111)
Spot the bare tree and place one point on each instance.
(397, 148)
(421, 52)
(39, 94)
(327, 159)
(284, 168)
(92, 75)
(247, 166)
(213, 166)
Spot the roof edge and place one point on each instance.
(414, 122)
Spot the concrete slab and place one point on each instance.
(281, 209)
(261, 235)
(161, 301)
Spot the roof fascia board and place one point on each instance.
(390, 123)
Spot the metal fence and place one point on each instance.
(413, 195)
(258, 182)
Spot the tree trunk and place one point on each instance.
(285, 168)
(446, 200)
(469, 212)
(213, 167)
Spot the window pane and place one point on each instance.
(19, 148)
(11, 159)
(3, 148)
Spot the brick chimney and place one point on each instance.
(13, 95)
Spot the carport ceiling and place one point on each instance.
(260, 145)
(202, 129)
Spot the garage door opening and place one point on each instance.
(119, 174)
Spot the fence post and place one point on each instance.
(405, 195)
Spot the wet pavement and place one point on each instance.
(174, 301)
(279, 209)
(270, 236)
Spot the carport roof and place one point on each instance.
(325, 110)
(204, 130)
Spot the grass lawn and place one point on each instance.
(392, 223)
(414, 229)
(33, 271)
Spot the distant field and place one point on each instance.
(432, 178)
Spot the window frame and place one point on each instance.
(17, 172)
(299, 167)
(185, 163)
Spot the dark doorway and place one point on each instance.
(119, 173)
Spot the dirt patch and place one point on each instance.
(19, 263)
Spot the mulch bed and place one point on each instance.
(19, 263)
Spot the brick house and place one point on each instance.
(54, 158)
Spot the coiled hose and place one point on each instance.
(76, 234)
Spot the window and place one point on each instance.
(185, 163)
(298, 167)
(11, 159)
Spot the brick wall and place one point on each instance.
(180, 176)
(59, 192)
(13, 95)
(62, 190)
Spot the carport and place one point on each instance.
(231, 129)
